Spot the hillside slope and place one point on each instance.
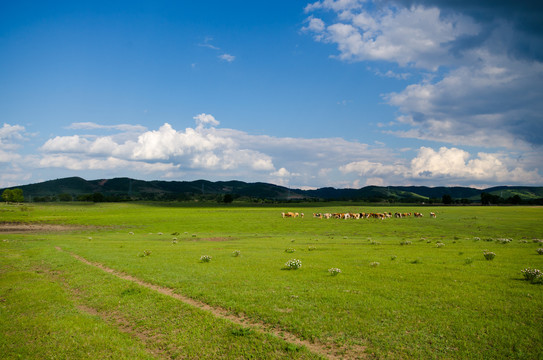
(133, 189)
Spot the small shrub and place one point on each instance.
(503, 241)
(242, 332)
(145, 253)
(538, 241)
(416, 261)
(374, 264)
(532, 275)
(159, 233)
(292, 348)
(205, 258)
(540, 251)
(334, 271)
(289, 250)
(311, 248)
(406, 242)
(476, 238)
(130, 291)
(293, 264)
(489, 255)
(174, 241)
(393, 257)
(468, 261)
(440, 244)
(236, 253)
(373, 242)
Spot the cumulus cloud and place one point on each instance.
(447, 166)
(10, 135)
(164, 149)
(205, 119)
(483, 66)
(416, 36)
(208, 151)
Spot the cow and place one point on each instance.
(433, 215)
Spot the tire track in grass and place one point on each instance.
(330, 351)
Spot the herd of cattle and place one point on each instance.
(363, 215)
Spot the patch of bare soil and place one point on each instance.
(328, 350)
(17, 228)
(217, 239)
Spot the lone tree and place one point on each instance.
(446, 199)
(13, 195)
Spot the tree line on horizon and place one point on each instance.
(16, 196)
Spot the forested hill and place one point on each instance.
(121, 189)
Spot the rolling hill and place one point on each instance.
(118, 189)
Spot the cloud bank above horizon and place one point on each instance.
(208, 151)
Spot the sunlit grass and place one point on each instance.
(423, 300)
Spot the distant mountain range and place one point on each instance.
(119, 189)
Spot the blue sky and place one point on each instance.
(304, 94)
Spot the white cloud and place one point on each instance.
(316, 26)
(10, 135)
(94, 126)
(205, 119)
(481, 84)
(375, 181)
(78, 163)
(202, 148)
(446, 166)
(335, 5)
(417, 36)
(207, 151)
(227, 57)
(207, 43)
(368, 168)
(496, 104)
(281, 173)
(8, 156)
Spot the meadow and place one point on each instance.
(171, 280)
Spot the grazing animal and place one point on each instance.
(432, 214)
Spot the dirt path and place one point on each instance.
(330, 351)
(17, 228)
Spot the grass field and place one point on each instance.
(125, 281)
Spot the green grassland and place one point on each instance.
(422, 300)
